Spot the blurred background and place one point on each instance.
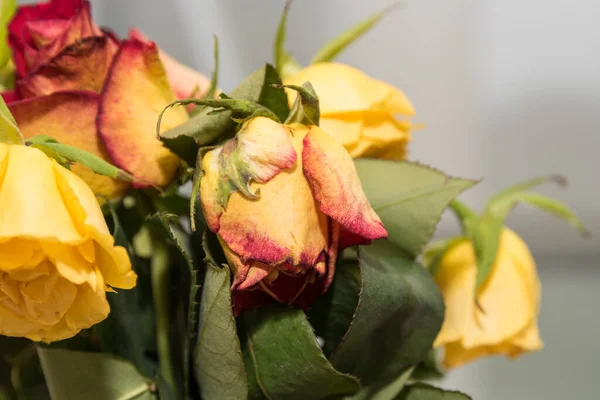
(507, 90)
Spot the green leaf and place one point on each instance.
(284, 62)
(272, 96)
(399, 315)
(92, 376)
(178, 240)
(429, 368)
(218, 360)
(9, 131)
(335, 46)
(332, 314)
(254, 390)
(173, 204)
(386, 393)
(204, 129)
(409, 198)
(288, 362)
(421, 391)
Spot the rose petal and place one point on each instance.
(342, 88)
(78, 27)
(19, 33)
(135, 92)
(80, 66)
(10, 96)
(334, 182)
(69, 117)
(45, 31)
(31, 206)
(184, 80)
(283, 225)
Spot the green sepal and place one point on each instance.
(485, 231)
(306, 106)
(284, 62)
(9, 131)
(338, 44)
(206, 128)
(246, 108)
(214, 79)
(71, 154)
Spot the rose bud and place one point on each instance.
(284, 200)
(505, 321)
(359, 111)
(57, 257)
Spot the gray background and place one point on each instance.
(506, 89)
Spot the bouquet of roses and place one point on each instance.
(162, 238)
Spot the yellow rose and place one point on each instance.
(509, 299)
(57, 257)
(359, 111)
(283, 201)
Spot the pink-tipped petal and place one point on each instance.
(334, 182)
(185, 81)
(282, 225)
(135, 92)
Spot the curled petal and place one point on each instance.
(283, 226)
(80, 66)
(20, 34)
(335, 185)
(78, 27)
(135, 93)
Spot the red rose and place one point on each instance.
(83, 86)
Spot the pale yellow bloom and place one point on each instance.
(359, 111)
(510, 300)
(57, 257)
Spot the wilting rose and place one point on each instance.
(57, 257)
(359, 111)
(283, 201)
(85, 87)
(506, 321)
